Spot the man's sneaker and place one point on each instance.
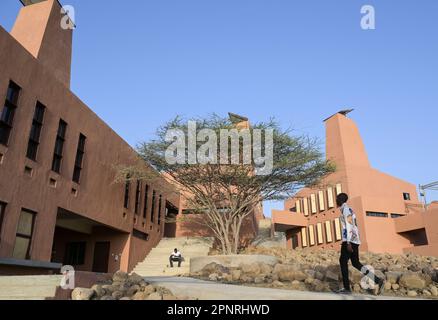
(379, 288)
(343, 291)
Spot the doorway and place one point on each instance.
(101, 256)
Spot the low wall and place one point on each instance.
(230, 261)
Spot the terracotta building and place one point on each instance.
(390, 217)
(59, 204)
(58, 200)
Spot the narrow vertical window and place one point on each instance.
(306, 207)
(298, 206)
(311, 235)
(313, 203)
(35, 132)
(2, 216)
(59, 146)
(159, 208)
(328, 231)
(304, 237)
(153, 205)
(8, 112)
(80, 152)
(146, 194)
(321, 201)
(23, 239)
(330, 198)
(319, 236)
(137, 197)
(127, 187)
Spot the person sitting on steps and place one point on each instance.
(174, 257)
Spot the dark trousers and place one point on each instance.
(175, 259)
(354, 257)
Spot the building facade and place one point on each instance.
(59, 204)
(390, 216)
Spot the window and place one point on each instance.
(319, 235)
(321, 200)
(328, 231)
(159, 208)
(59, 146)
(140, 235)
(330, 198)
(24, 235)
(8, 112)
(79, 158)
(127, 187)
(153, 205)
(145, 207)
(304, 237)
(407, 196)
(35, 132)
(313, 203)
(311, 235)
(306, 207)
(137, 196)
(338, 233)
(338, 189)
(377, 214)
(298, 206)
(75, 253)
(2, 215)
(396, 215)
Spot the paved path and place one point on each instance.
(206, 290)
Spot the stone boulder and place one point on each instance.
(413, 280)
(120, 276)
(289, 272)
(82, 294)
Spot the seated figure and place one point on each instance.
(175, 256)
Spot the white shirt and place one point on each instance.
(177, 254)
(350, 230)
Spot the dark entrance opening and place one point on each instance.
(101, 256)
(170, 220)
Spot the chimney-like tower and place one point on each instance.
(344, 145)
(38, 29)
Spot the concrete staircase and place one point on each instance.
(28, 287)
(157, 262)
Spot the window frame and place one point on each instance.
(127, 191)
(60, 139)
(154, 196)
(9, 106)
(34, 142)
(3, 206)
(137, 197)
(24, 236)
(146, 201)
(80, 154)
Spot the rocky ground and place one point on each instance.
(125, 287)
(316, 270)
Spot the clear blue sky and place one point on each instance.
(139, 63)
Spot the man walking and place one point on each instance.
(350, 247)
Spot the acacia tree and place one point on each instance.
(226, 194)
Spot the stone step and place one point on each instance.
(157, 260)
(30, 280)
(28, 287)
